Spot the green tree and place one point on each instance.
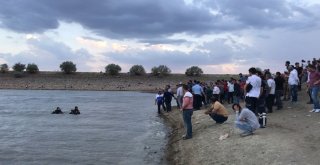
(4, 68)
(32, 68)
(113, 69)
(161, 70)
(68, 67)
(137, 70)
(18, 67)
(194, 71)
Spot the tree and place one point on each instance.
(161, 70)
(68, 67)
(32, 68)
(4, 68)
(113, 69)
(18, 67)
(137, 70)
(194, 71)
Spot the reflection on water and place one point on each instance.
(113, 128)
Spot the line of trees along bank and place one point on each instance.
(68, 67)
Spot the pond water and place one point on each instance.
(113, 128)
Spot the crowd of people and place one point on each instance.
(260, 90)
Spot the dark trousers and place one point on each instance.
(270, 102)
(278, 95)
(159, 107)
(218, 118)
(221, 98)
(261, 105)
(230, 97)
(197, 102)
(252, 103)
(187, 113)
(168, 105)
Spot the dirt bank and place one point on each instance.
(96, 81)
(292, 137)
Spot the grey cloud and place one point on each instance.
(152, 21)
(91, 38)
(163, 41)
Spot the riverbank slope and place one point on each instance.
(291, 137)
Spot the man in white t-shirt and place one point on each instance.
(293, 82)
(271, 92)
(252, 89)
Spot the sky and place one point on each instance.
(219, 36)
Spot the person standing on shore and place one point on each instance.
(167, 95)
(279, 80)
(159, 101)
(187, 111)
(271, 93)
(253, 94)
(293, 82)
(314, 85)
(197, 91)
(179, 95)
(217, 111)
(246, 120)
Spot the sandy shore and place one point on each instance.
(291, 137)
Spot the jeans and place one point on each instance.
(314, 94)
(187, 113)
(197, 101)
(294, 92)
(278, 98)
(159, 107)
(245, 127)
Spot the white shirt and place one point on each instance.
(272, 85)
(230, 87)
(216, 90)
(255, 81)
(180, 91)
(293, 78)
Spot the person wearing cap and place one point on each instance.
(246, 120)
(217, 111)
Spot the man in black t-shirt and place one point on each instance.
(299, 70)
(279, 80)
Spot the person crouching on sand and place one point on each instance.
(187, 111)
(217, 111)
(246, 120)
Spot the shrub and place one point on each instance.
(4, 68)
(161, 70)
(32, 68)
(18, 67)
(194, 71)
(68, 67)
(137, 70)
(113, 69)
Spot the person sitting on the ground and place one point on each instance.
(57, 111)
(246, 120)
(217, 111)
(75, 111)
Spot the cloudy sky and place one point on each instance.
(220, 36)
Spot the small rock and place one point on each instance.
(308, 115)
(223, 137)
